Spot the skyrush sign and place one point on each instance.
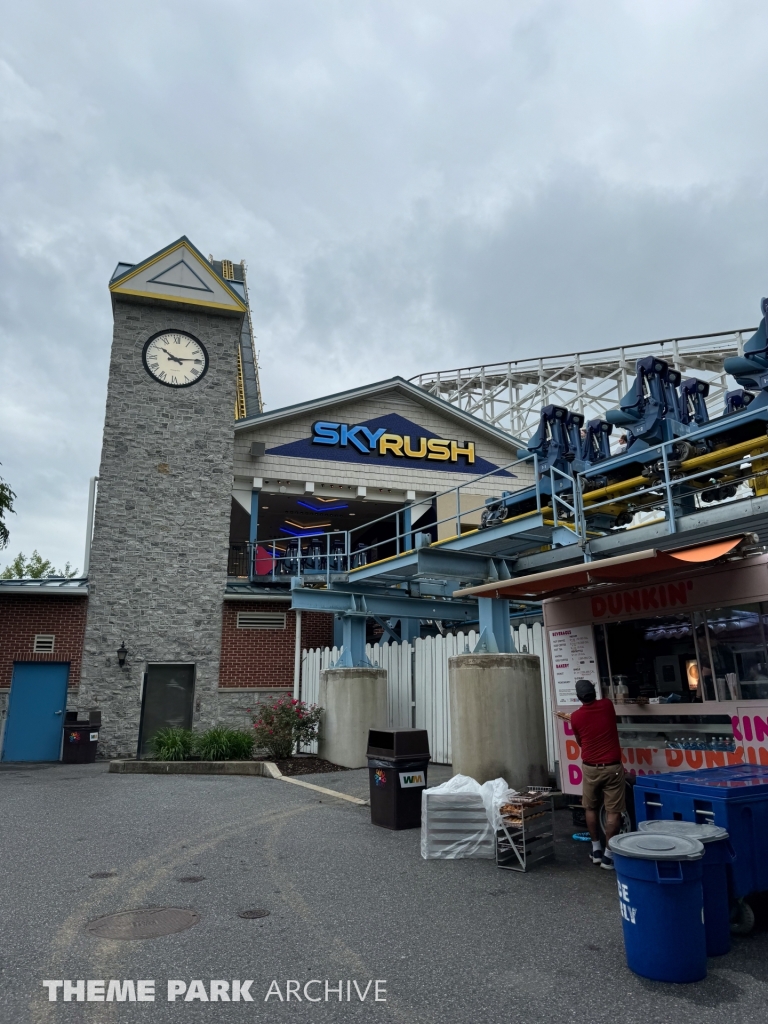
(389, 439)
(380, 442)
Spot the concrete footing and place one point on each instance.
(497, 718)
(355, 700)
(264, 768)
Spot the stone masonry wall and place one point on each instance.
(159, 554)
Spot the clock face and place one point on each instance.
(175, 359)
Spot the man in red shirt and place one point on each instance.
(594, 726)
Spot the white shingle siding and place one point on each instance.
(378, 473)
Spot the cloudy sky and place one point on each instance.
(414, 185)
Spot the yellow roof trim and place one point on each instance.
(175, 298)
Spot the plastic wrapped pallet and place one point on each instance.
(457, 818)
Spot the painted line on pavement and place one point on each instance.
(328, 792)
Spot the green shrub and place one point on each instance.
(279, 725)
(222, 744)
(240, 745)
(172, 744)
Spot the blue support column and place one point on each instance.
(495, 634)
(353, 635)
(407, 535)
(410, 630)
(254, 517)
(253, 532)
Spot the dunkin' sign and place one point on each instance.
(750, 733)
(642, 599)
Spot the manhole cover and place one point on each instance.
(191, 878)
(143, 924)
(249, 915)
(103, 874)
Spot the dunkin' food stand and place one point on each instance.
(678, 641)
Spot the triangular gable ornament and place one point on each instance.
(178, 274)
(181, 275)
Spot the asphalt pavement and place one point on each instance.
(448, 941)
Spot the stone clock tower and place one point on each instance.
(161, 531)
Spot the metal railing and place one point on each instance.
(669, 488)
(237, 560)
(342, 551)
(406, 534)
(281, 559)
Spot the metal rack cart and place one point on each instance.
(527, 833)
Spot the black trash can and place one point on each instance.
(397, 766)
(80, 742)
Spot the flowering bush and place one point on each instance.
(282, 723)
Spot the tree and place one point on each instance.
(6, 505)
(36, 568)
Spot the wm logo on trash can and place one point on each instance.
(409, 779)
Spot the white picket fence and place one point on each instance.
(417, 682)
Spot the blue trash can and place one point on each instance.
(718, 854)
(662, 905)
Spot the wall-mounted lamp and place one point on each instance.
(122, 651)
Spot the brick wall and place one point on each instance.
(22, 617)
(264, 657)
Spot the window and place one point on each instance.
(44, 643)
(732, 651)
(655, 657)
(720, 654)
(261, 620)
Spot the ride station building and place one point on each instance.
(204, 509)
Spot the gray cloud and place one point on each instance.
(413, 186)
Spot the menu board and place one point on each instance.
(573, 657)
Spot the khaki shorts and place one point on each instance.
(604, 785)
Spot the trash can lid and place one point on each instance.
(705, 833)
(656, 846)
(398, 743)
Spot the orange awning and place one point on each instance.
(605, 570)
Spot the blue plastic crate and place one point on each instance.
(752, 771)
(735, 798)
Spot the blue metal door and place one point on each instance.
(36, 712)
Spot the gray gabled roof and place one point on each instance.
(54, 586)
(398, 384)
(124, 269)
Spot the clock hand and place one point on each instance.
(174, 358)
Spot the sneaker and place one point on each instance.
(607, 863)
(596, 856)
